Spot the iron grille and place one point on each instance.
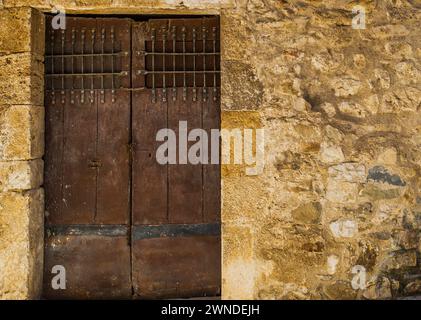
(182, 55)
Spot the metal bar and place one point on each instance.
(177, 72)
(179, 53)
(112, 65)
(164, 43)
(174, 89)
(89, 230)
(183, 36)
(53, 98)
(76, 55)
(153, 66)
(194, 65)
(122, 73)
(92, 64)
(102, 64)
(123, 89)
(82, 92)
(214, 63)
(62, 65)
(140, 232)
(72, 99)
(204, 62)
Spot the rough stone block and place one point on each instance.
(243, 198)
(21, 175)
(350, 172)
(241, 88)
(21, 132)
(21, 79)
(341, 191)
(21, 244)
(401, 259)
(22, 30)
(238, 263)
(344, 228)
(233, 120)
(308, 213)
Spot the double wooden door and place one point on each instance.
(119, 224)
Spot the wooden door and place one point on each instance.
(121, 224)
(175, 207)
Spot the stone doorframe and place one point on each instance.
(22, 43)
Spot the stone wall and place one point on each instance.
(21, 149)
(340, 108)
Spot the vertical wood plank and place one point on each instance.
(212, 172)
(53, 181)
(113, 136)
(79, 178)
(185, 180)
(113, 155)
(149, 178)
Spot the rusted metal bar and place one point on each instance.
(176, 72)
(72, 98)
(194, 65)
(63, 34)
(175, 230)
(77, 55)
(179, 53)
(153, 66)
(164, 42)
(88, 229)
(92, 64)
(174, 89)
(53, 98)
(183, 36)
(102, 65)
(121, 73)
(214, 62)
(82, 92)
(112, 65)
(204, 62)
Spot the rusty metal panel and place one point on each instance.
(97, 266)
(181, 266)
